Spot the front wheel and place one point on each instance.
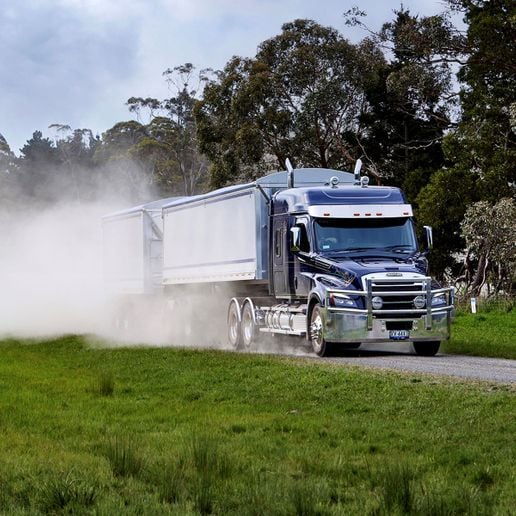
(319, 345)
(426, 349)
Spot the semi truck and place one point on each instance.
(315, 254)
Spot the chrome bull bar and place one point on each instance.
(399, 287)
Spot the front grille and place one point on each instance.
(398, 304)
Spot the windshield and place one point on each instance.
(347, 235)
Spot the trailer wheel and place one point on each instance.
(248, 325)
(234, 324)
(426, 349)
(319, 345)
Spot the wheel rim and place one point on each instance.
(233, 326)
(316, 333)
(247, 328)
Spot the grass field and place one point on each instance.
(168, 431)
(488, 334)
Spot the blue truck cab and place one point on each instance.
(346, 256)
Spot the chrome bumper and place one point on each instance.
(346, 327)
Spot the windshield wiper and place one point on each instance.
(351, 250)
(400, 248)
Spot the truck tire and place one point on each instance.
(234, 324)
(426, 349)
(319, 345)
(248, 326)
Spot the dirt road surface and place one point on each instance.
(460, 366)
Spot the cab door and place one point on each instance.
(279, 256)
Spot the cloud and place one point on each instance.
(57, 64)
(76, 62)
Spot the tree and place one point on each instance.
(442, 204)
(9, 186)
(484, 141)
(122, 172)
(480, 150)
(300, 97)
(7, 159)
(490, 235)
(170, 145)
(39, 169)
(78, 178)
(412, 102)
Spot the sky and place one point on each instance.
(76, 62)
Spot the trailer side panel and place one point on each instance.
(213, 239)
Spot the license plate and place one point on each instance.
(399, 334)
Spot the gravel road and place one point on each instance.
(474, 368)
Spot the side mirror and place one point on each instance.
(295, 239)
(429, 237)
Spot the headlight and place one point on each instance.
(438, 300)
(342, 301)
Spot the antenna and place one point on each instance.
(358, 168)
(290, 175)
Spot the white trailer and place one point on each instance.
(133, 249)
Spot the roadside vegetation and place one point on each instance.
(93, 430)
(490, 333)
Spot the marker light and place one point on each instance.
(419, 302)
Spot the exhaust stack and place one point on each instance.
(358, 168)
(290, 176)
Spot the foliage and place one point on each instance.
(442, 204)
(490, 235)
(264, 436)
(411, 102)
(9, 188)
(300, 97)
(132, 161)
(170, 144)
(484, 142)
(480, 150)
(310, 95)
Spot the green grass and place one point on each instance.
(488, 333)
(200, 432)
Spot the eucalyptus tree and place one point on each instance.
(301, 96)
(170, 144)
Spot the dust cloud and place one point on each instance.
(51, 270)
(52, 284)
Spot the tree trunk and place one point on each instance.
(480, 275)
